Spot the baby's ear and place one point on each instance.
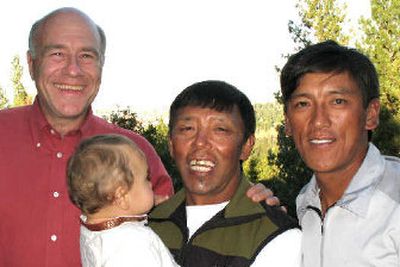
(121, 198)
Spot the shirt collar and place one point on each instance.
(39, 123)
(87, 125)
(308, 196)
(358, 194)
(233, 209)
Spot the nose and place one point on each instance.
(320, 118)
(73, 66)
(201, 138)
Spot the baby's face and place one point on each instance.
(141, 194)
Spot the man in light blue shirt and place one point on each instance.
(349, 211)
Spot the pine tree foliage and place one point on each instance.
(326, 18)
(3, 99)
(21, 97)
(381, 41)
(268, 116)
(156, 134)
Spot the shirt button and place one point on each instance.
(52, 131)
(59, 155)
(53, 238)
(56, 194)
(38, 144)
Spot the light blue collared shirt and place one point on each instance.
(363, 227)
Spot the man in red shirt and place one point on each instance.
(39, 226)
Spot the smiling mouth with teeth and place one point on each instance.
(69, 87)
(321, 141)
(201, 165)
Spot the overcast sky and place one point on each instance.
(156, 48)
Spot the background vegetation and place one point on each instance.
(275, 161)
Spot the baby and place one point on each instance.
(108, 181)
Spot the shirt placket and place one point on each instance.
(54, 147)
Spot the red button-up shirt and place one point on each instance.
(38, 224)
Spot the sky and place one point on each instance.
(156, 48)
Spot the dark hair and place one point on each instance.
(326, 57)
(37, 26)
(98, 166)
(217, 95)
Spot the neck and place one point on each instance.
(216, 196)
(329, 195)
(332, 188)
(63, 124)
(65, 127)
(104, 214)
(333, 184)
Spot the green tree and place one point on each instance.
(156, 134)
(268, 115)
(324, 19)
(127, 119)
(3, 99)
(319, 21)
(381, 42)
(21, 97)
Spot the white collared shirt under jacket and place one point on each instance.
(363, 227)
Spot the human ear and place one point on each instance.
(372, 119)
(30, 64)
(247, 147)
(121, 198)
(170, 147)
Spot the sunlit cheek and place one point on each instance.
(179, 152)
(94, 72)
(50, 71)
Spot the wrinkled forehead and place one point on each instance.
(196, 109)
(207, 116)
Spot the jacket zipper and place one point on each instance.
(318, 211)
(206, 226)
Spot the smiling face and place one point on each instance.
(329, 125)
(66, 66)
(207, 146)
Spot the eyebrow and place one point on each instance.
(51, 47)
(342, 90)
(92, 50)
(184, 118)
(59, 46)
(333, 91)
(190, 118)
